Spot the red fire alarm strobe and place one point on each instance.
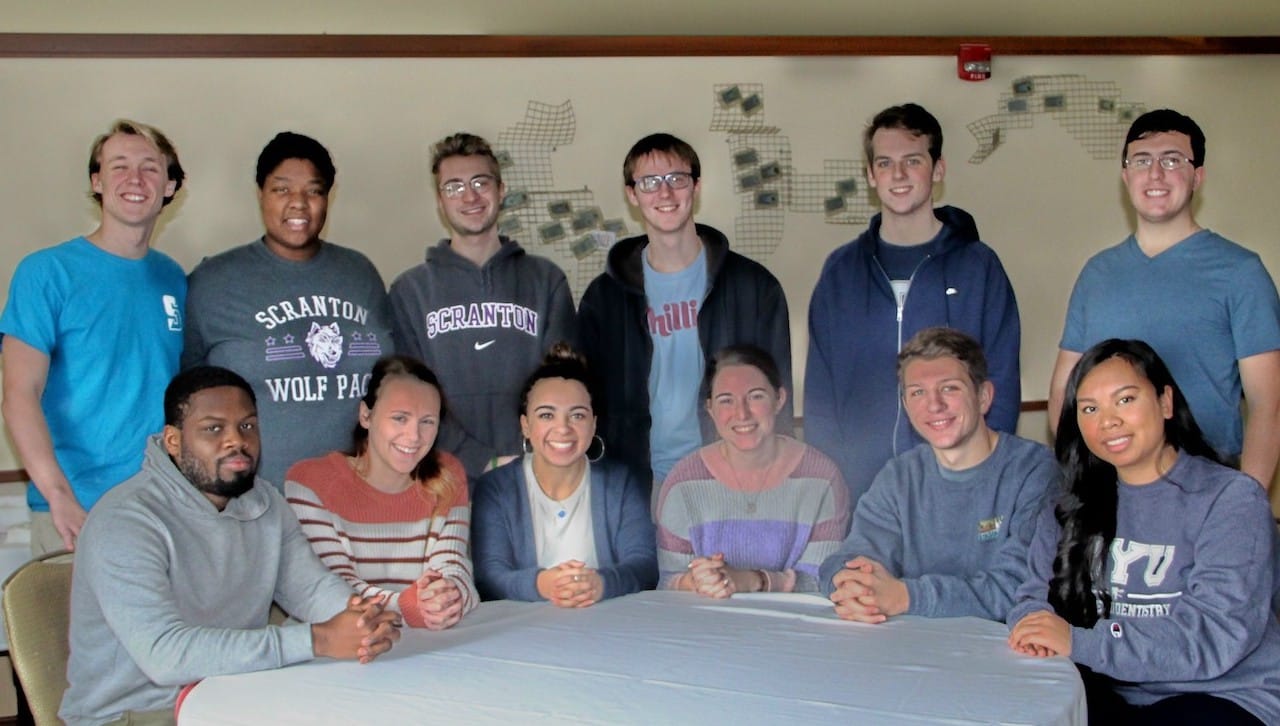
(973, 63)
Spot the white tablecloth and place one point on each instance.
(661, 657)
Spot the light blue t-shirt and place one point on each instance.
(112, 328)
(675, 375)
(1203, 304)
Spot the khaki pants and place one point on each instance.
(146, 718)
(44, 536)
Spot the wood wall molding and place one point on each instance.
(131, 45)
(13, 475)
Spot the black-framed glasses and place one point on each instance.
(479, 183)
(674, 180)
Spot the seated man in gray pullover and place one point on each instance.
(944, 529)
(176, 569)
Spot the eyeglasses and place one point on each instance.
(480, 184)
(674, 180)
(1168, 162)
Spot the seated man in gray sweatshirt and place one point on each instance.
(177, 567)
(944, 529)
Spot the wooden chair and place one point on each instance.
(37, 614)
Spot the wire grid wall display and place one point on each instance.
(767, 182)
(563, 224)
(1091, 111)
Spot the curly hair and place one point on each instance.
(561, 361)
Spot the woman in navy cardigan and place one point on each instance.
(553, 524)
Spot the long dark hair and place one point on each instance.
(430, 472)
(1087, 511)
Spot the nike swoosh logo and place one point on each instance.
(482, 346)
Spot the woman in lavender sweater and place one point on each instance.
(754, 511)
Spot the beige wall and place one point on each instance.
(1040, 201)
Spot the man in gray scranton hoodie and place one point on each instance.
(479, 311)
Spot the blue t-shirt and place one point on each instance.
(1203, 304)
(675, 376)
(112, 328)
(900, 262)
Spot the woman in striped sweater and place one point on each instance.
(755, 511)
(393, 518)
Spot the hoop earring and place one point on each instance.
(601, 454)
(526, 445)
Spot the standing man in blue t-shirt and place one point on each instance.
(1207, 305)
(92, 333)
(665, 303)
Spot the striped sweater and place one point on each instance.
(381, 543)
(786, 529)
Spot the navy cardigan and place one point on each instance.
(502, 548)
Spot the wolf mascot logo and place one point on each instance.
(325, 344)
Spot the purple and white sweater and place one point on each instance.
(786, 528)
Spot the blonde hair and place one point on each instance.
(430, 473)
(152, 135)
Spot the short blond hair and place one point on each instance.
(152, 134)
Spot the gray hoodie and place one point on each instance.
(168, 590)
(482, 330)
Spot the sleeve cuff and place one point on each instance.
(296, 644)
(784, 581)
(407, 603)
(1086, 643)
(920, 599)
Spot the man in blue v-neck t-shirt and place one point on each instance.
(1207, 305)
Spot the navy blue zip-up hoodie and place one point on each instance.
(852, 410)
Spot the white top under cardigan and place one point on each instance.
(561, 529)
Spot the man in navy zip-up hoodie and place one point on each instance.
(915, 267)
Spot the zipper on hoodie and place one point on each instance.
(897, 417)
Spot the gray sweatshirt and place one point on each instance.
(482, 330)
(304, 334)
(1190, 574)
(958, 539)
(168, 590)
